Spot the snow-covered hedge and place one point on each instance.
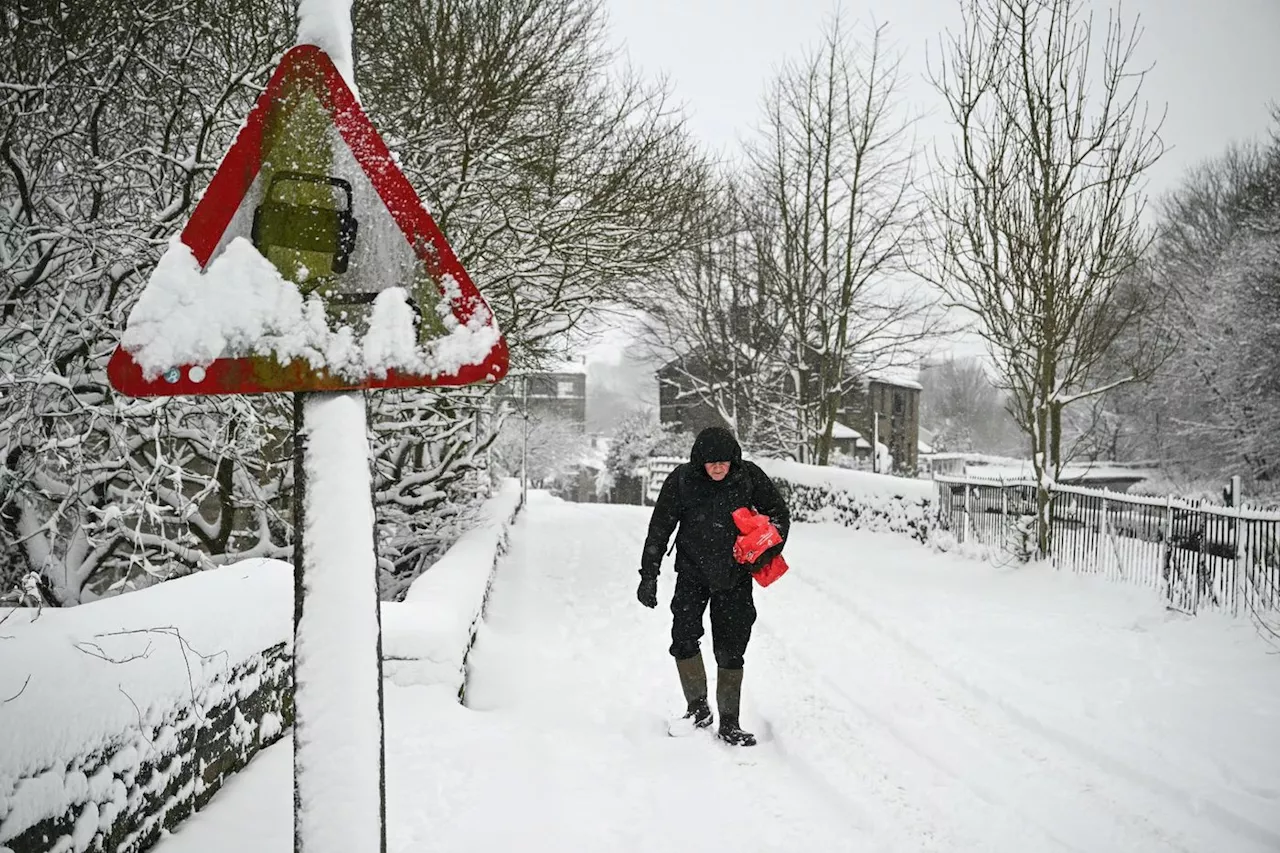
(120, 717)
(855, 498)
(426, 638)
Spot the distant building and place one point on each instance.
(850, 442)
(895, 398)
(1113, 476)
(678, 404)
(557, 392)
(888, 407)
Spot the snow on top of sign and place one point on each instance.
(390, 340)
(465, 344)
(327, 25)
(241, 306)
(182, 317)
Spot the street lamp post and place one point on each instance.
(524, 450)
(875, 442)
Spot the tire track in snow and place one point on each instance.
(915, 821)
(905, 788)
(1113, 770)
(988, 746)
(910, 822)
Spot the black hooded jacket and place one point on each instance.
(703, 509)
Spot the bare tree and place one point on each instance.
(963, 407)
(1038, 204)
(556, 446)
(833, 165)
(711, 326)
(559, 180)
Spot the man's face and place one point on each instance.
(717, 470)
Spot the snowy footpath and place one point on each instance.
(905, 700)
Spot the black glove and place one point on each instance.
(764, 559)
(648, 591)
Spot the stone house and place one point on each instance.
(888, 405)
(557, 392)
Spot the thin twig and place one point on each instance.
(183, 644)
(95, 650)
(19, 693)
(142, 729)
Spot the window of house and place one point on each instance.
(899, 402)
(565, 388)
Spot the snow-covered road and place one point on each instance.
(905, 701)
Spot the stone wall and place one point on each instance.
(134, 710)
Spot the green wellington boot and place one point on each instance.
(693, 681)
(728, 698)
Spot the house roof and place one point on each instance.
(839, 430)
(556, 368)
(902, 377)
(846, 432)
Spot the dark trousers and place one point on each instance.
(732, 614)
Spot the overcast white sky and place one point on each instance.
(1216, 62)
(1215, 66)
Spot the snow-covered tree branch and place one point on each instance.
(112, 122)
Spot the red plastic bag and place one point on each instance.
(758, 536)
(777, 568)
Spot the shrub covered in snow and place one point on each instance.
(636, 438)
(122, 717)
(430, 476)
(855, 498)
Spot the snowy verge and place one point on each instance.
(855, 499)
(120, 717)
(426, 638)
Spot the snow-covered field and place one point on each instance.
(906, 701)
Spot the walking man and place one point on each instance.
(700, 496)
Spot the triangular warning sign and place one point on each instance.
(312, 185)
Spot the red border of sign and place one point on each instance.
(309, 66)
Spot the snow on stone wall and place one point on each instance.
(426, 638)
(855, 499)
(121, 717)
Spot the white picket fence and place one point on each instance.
(658, 468)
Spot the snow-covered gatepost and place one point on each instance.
(310, 265)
